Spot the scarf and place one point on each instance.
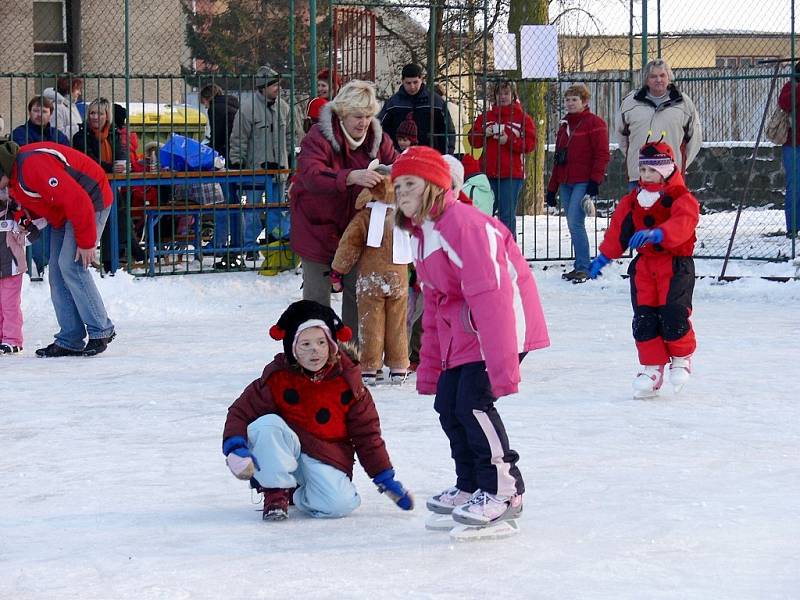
(106, 152)
(401, 242)
(649, 193)
(352, 142)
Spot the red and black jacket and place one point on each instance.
(676, 213)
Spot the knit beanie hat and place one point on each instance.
(423, 162)
(408, 129)
(305, 314)
(471, 166)
(456, 171)
(266, 76)
(8, 154)
(658, 156)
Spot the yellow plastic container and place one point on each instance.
(156, 122)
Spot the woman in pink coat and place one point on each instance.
(482, 315)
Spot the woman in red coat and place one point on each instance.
(331, 171)
(579, 168)
(507, 133)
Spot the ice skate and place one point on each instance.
(648, 381)
(369, 379)
(486, 516)
(680, 370)
(442, 505)
(398, 377)
(276, 503)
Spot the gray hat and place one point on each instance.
(266, 76)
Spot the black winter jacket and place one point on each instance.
(221, 113)
(396, 108)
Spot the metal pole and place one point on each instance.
(658, 23)
(312, 42)
(431, 68)
(644, 33)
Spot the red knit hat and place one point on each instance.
(471, 166)
(659, 156)
(408, 129)
(333, 82)
(423, 162)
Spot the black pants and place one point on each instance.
(478, 440)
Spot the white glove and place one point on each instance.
(241, 467)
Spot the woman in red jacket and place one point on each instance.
(791, 152)
(331, 171)
(507, 133)
(580, 162)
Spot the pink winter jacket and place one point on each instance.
(481, 301)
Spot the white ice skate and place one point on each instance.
(680, 370)
(486, 516)
(442, 505)
(648, 381)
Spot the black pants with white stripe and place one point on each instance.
(478, 440)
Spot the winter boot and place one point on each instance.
(575, 276)
(276, 503)
(9, 349)
(55, 351)
(444, 502)
(484, 508)
(648, 381)
(679, 371)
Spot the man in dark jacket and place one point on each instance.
(37, 128)
(416, 99)
(222, 110)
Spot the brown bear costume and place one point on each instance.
(382, 286)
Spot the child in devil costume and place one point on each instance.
(294, 432)
(382, 252)
(658, 220)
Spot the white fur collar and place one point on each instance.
(326, 127)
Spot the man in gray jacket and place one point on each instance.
(261, 138)
(657, 109)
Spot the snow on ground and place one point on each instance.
(114, 486)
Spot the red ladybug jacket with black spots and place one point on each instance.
(676, 213)
(335, 417)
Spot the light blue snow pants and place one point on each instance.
(322, 490)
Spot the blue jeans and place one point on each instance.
(571, 195)
(792, 200)
(38, 249)
(322, 491)
(76, 300)
(506, 193)
(225, 223)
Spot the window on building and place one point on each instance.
(50, 44)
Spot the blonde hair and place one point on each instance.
(432, 202)
(102, 105)
(356, 95)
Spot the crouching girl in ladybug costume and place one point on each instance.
(658, 220)
(482, 313)
(294, 432)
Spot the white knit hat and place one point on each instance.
(456, 171)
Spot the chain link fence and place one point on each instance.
(153, 59)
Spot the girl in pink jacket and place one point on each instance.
(482, 314)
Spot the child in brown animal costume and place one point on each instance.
(383, 254)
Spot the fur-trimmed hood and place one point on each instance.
(330, 126)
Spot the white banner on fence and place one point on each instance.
(539, 51)
(505, 51)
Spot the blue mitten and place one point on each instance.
(239, 459)
(646, 236)
(393, 489)
(597, 265)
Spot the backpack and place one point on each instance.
(777, 130)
